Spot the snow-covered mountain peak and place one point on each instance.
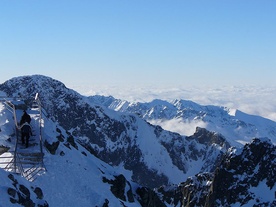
(34, 82)
(180, 104)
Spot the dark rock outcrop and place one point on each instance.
(148, 198)
(51, 147)
(171, 195)
(20, 194)
(120, 187)
(195, 189)
(241, 173)
(203, 136)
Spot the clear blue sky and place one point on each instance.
(140, 41)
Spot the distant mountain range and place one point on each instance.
(236, 126)
(109, 152)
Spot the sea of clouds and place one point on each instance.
(256, 100)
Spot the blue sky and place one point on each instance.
(140, 42)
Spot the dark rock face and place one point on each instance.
(210, 140)
(51, 147)
(195, 189)
(203, 136)
(241, 173)
(20, 194)
(148, 198)
(170, 195)
(120, 187)
(3, 149)
(244, 177)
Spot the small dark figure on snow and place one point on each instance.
(25, 118)
(26, 132)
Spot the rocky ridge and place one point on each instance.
(245, 177)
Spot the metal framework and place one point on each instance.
(28, 164)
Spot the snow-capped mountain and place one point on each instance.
(184, 116)
(153, 155)
(98, 156)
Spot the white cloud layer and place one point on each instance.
(256, 100)
(184, 127)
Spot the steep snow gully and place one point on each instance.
(101, 151)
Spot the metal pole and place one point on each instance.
(40, 126)
(16, 133)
